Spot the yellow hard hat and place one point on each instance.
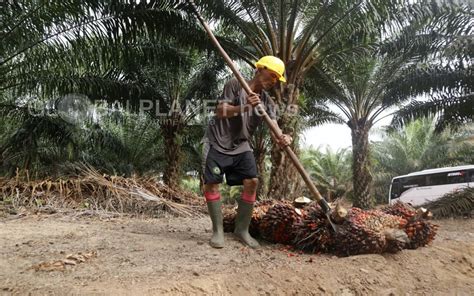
(274, 64)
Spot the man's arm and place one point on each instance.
(226, 110)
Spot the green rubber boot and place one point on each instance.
(242, 222)
(217, 239)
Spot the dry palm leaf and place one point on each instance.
(60, 265)
(96, 191)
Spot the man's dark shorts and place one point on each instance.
(235, 167)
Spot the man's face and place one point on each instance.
(267, 78)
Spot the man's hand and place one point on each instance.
(285, 140)
(253, 99)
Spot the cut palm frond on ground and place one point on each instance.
(93, 190)
(456, 204)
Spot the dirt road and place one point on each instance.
(171, 256)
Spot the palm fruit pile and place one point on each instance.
(360, 232)
(276, 225)
(419, 231)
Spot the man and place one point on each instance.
(227, 149)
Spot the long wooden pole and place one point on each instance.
(273, 127)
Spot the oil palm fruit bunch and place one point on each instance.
(367, 232)
(400, 209)
(354, 239)
(420, 232)
(312, 232)
(376, 220)
(359, 232)
(277, 225)
(260, 210)
(396, 240)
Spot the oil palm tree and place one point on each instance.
(122, 143)
(30, 141)
(367, 86)
(48, 144)
(184, 94)
(108, 50)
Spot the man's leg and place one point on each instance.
(213, 175)
(214, 205)
(244, 212)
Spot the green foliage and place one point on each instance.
(330, 170)
(191, 184)
(33, 139)
(124, 143)
(76, 37)
(417, 146)
(230, 194)
(46, 145)
(445, 76)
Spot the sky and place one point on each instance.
(337, 136)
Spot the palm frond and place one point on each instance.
(315, 114)
(455, 204)
(452, 111)
(420, 79)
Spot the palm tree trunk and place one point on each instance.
(173, 155)
(362, 178)
(260, 144)
(285, 182)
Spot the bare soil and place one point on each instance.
(171, 256)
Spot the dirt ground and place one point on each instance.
(171, 256)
